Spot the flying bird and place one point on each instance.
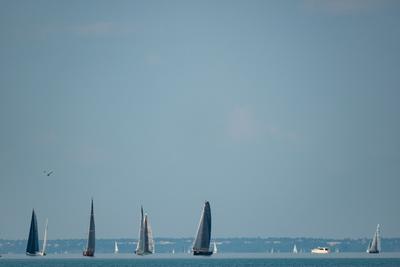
(48, 173)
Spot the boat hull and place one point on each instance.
(202, 253)
(34, 254)
(320, 250)
(88, 253)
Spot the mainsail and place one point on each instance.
(32, 248)
(375, 244)
(90, 247)
(201, 245)
(146, 243)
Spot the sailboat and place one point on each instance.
(375, 244)
(295, 249)
(201, 245)
(215, 250)
(43, 252)
(116, 250)
(146, 243)
(91, 243)
(32, 248)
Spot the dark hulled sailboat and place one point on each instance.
(201, 245)
(90, 247)
(146, 243)
(32, 248)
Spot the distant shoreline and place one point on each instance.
(269, 245)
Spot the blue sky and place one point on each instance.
(283, 114)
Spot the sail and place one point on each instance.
(215, 250)
(203, 237)
(149, 248)
(146, 243)
(374, 246)
(140, 244)
(32, 247)
(91, 243)
(294, 249)
(45, 239)
(116, 247)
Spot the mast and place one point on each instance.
(32, 247)
(201, 245)
(90, 247)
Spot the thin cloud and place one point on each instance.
(243, 124)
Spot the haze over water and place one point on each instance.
(284, 115)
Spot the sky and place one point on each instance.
(283, 114)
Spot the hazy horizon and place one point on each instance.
(283, 114)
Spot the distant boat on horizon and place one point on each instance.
(320, 250)
(91, 243)
(201, 245)
(116, 250)
(32, 247)
(145, 244)
(215, 250)
(295, 249)
(375, 245)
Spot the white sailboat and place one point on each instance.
(295, 249)
(146, 243)
(43, 252)
(116, 250)
(215, 250)
(375, 244)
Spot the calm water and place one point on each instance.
(233, 260)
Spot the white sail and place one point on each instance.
(215, 250)
(294, 249)
(116, 250)
(150, 241)
(45, 239)
(140, 244)
(375, 244)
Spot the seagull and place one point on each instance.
(48, 173)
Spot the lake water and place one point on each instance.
(223, 260)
